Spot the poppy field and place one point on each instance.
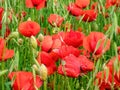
(59, 44)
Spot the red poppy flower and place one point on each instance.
(106, 27)
(47, 60)
(118, 50)
(47, 43)
(94, 5)
(59, 36)
(24, 80)
(82, 3)
(1, 14)
(29, 28)
(113, 76)
(105, 81)
(55, 20)
(54, 55)
(56, 44)
(65, 50)
(89, 15)
(74, 38)
(71, 67)
(4, 52)
(38, 4)
(52, 42)
(110, 3)
(7, 32)
(96, 42)
(74, 10)
(111, 66)
(85, 64)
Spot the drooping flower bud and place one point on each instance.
(40, 37)
(43, 72)
(33, 42)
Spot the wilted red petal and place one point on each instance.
(55, 20)
(29, 28)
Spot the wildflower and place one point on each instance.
(74, 10)
(46, 59)
(85, 64)
(89, 15)
(4, 52)
(38, 4)
(33, 42)
(65, 50)
(71, 67)
(47, 43)
(94, 5)
(74, 38)
(96, 43)
(1, 14)
(55, 20)
(29, 28)
(24, 80)
(82, 3)
(109, 76)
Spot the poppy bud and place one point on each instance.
(20, 41)
(36, 68)
(43, 72)
(40, 37)
(35, 52)
(63, 62)
(29, 19)
(33, 42)
(13, 35)
(94, 27)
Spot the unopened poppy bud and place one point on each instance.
(95, 27)
(33, 42)
(35, 52)
(20, 41)
(36, 69)
(40, 37)
(13, 35)
(43, 72)
(29, 19)
(63, 62)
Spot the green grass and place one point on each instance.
(23, 58)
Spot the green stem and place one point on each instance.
(45, 85)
